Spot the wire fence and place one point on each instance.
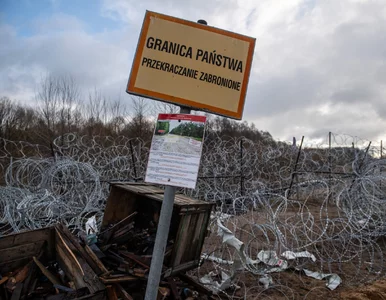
(324, 198)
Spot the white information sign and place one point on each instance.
(175, 151)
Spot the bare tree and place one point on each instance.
(118, 113)
(16, 121)
(163, 107)
(48, 98)
(69, 97)
(58, 98)
(96, 112)
(7, 112)
(140, 124)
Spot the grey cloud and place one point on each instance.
(91, 61)
(309, 54)
(360, 121)
(345, 59)
(380, 73)
(278, 94)
(355, 94)
(361, 40)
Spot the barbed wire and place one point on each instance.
(326, 199)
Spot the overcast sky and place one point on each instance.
(319, 65)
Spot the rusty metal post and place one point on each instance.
(295, 167)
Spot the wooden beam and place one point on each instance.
(74, 258)
(122, 292)
(173, 288)
(97, 261)
(111, 292)
(135, 258)
(46, 272)
(17, 291)
(64, 230)
(108, 233)
(118, 279)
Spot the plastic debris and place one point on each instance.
(266, 280)
(333, 280)
(91, 226)
(293, 255)
(214, 286)
(271, 259)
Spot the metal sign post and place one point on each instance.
(161, 237)
(160, 243)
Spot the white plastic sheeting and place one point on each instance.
(268, 258)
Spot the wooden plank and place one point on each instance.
(9, 266)
(80, 250)
(119, 205)
(19, 276)
(79, 263)
(163, 293)
(203, 233)
(28, 237)
(3, 279)
(157, 194)
(30, 277)
(66, 245)
(20, 251)
(196, 238)
(200, 223)
(111, 293)
(75, 294)
(135, 258)
(185, 200)
(181, 241)
(96, 259)
(46, 272)
(189, 245)
(173, 288)
(122, 292)
(96, 296)
(69, 267)
(141, 189)
(106, 235)
(185, 211)
(17, 291)
(118, 279)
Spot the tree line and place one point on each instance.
(60, 108)
(189, 129)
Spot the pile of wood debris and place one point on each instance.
(56, 264)
(116, 266)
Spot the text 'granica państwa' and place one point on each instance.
(209, 57)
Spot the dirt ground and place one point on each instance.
(359, 281)
(374, 291)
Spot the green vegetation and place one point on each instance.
(190, 129)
